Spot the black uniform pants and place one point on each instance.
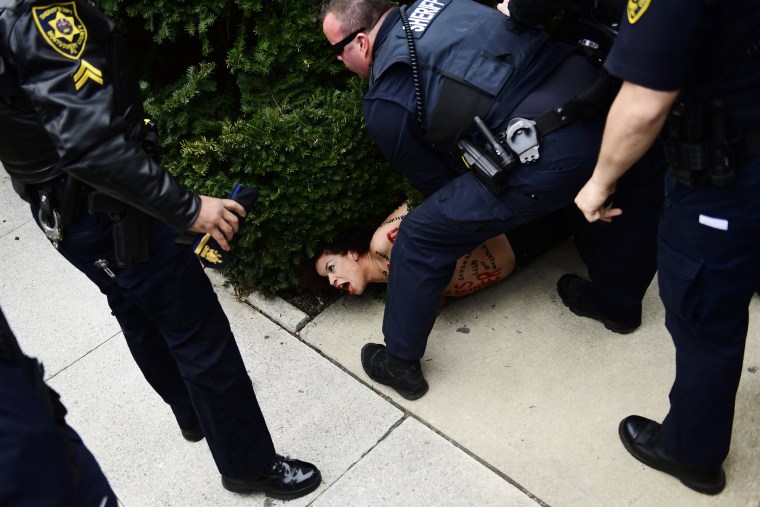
(709, 268)
(461, 215)
(42, 463)
(180, 338)
(621, 255)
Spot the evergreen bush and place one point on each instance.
(249, 91)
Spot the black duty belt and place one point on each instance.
(523, 136)
(584, 106)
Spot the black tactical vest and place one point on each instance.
(472, 60)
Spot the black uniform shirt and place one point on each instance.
(698, 45)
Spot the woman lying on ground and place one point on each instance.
(356, 259)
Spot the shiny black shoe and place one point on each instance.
(576, 295)
(193, 434)
(641, 437)
(283, 478)
(403, 376)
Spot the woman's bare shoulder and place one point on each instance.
(385, 235)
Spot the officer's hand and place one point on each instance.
(504, 7)
(592, 199)
(218, 217)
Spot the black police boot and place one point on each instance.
(282, 478)
(576, 295)
(641, 437)
(193, 434)
(403, 376)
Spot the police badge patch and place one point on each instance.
(636, 9)
(61, 27)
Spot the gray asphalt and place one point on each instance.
(524, 403)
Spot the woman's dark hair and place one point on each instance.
(356, 239)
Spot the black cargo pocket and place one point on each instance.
(679, 282)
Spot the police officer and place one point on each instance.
(701, 81)
(612, 296)
(468, 60)
(42, 459)
(73, 136)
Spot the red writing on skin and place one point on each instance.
(463, 288)
(489, 276)
(392, 235)
(486, 279)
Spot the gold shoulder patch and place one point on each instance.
(61, 27)
(636, 9)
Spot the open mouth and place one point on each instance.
(347, 287)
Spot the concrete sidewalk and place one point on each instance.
(523, 407)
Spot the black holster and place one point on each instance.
(698, 144)
(131, 228)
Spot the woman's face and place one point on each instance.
(343, 271)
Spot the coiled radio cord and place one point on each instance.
(419, 106)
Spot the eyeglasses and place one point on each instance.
(338, 47)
